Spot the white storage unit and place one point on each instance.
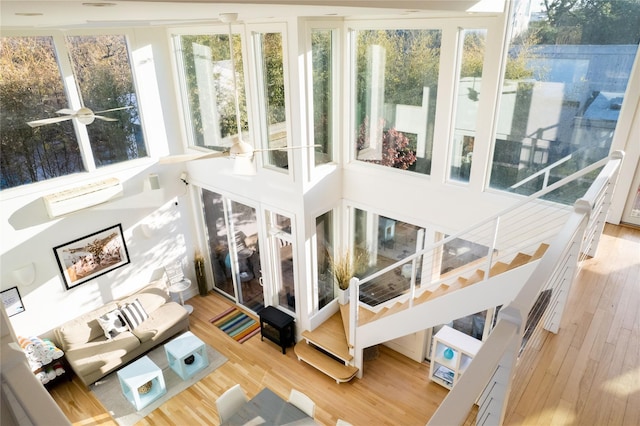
(451, 354)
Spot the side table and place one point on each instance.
(186, 355)
(277, 326)
(139, 373)
(180, 287)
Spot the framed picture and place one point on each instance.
(12, 301)
(89, 257)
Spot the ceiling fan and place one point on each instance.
(241, 151)
(84, 116)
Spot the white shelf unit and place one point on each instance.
(445, 371)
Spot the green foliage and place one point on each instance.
(598, 22)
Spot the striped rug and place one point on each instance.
(238, 325)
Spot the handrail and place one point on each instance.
(482, 381)
(544, 171)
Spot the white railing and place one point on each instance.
(488, 378)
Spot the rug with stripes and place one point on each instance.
(236, 324)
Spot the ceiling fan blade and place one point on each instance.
(113, 109)
(286, 148)
(51, 120)
(66, 111)
(173, 159)
(99, 117)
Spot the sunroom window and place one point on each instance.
(206, 75)
(34, 70)
(565, 83)
(396, 89)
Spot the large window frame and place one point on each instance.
(73, 94)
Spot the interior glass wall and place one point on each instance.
(396, 92)
(564, 85)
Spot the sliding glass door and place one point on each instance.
(234, 250)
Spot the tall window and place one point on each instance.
(206, 75)
(325, 250)
(396, 91)
(32, 87)
(467, 100)
(322, 53)
(283, 248)
(565, 82)
(271, 87)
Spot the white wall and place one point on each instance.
(29, 235)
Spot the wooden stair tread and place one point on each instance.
(519, 260)
(498, 268)
(540, 251)
(330, 336)
(329, 366)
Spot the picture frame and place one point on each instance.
(91, 256)
(12, 301)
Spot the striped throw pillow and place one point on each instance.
(134, 313)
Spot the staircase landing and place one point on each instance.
(326, 349)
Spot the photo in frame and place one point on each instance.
(86, 258)
(12, 301)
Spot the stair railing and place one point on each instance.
(525, 224)
(488, 378)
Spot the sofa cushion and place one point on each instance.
(151, 298)
(161, 320)
(82, 329)
(101, 353)
(134, 314)
(113, 323)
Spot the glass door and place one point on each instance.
(233, 243)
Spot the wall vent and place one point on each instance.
(82, 197)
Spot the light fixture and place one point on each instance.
(98, 4)
(28, 14)
(25, 275)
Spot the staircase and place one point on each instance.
(327, 349)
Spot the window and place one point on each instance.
(322, 65)
(467, 101)
(283, 249)
(396, 90)
(32, 88)
(234, 249)
(207, 84)
(564, 84)
(324, 251)
(272, 93)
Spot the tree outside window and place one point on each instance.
(31, 88)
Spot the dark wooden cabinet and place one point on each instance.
(278, 327)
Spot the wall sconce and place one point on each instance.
(25, 275)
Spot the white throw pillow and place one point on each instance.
(113, 323)
(134, 313)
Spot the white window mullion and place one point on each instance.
(75, 100)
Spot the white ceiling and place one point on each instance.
(71, 14)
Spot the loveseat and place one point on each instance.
(92, 351)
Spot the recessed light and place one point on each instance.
(99, 4)
(28, 14)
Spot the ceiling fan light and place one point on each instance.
(241, 148)
(244, 166)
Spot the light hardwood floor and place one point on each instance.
(587, 374)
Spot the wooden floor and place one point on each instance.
(587, 374)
